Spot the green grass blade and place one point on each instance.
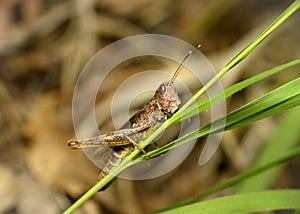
(280, 99)
(248, 49)
(207, 102)
(248, 202)
(281, 159)
(239, 57)
(284, 138)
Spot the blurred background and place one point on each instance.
(44, 44)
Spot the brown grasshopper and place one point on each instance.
(162, 106)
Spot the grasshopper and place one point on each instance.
(152, 115)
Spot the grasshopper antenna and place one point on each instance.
(181, 64)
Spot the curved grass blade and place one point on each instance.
(283, 139)
(207, 102)
(281, 159)
(239, 57)
(244, 203)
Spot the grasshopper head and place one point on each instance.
(167, 97)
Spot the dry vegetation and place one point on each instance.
(45, 44)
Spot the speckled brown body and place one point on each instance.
(162, 106)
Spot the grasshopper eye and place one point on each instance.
(162, 88)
